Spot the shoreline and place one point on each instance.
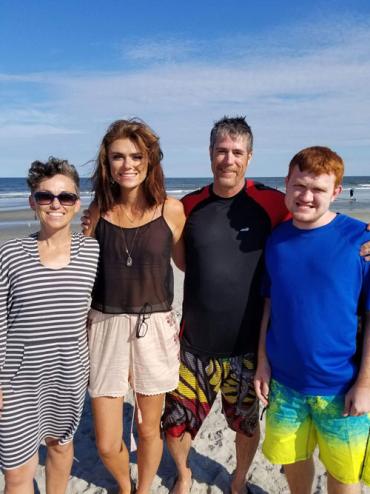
(21, 222)
(15, 223)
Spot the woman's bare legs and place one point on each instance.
(20, 480)
(108, 422)
(150, 444)
(58, 466)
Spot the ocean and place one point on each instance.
(14, 192)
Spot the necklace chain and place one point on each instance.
(129, 253)
(129, 259)
(132, 220)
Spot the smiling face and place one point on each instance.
(229, 160)
(128, 164)
(55, 216)
(308, 198)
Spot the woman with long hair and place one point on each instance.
(45, 285)
(133, 335)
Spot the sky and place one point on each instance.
(298, 71)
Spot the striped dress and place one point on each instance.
(43, 345)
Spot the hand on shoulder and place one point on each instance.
(90, 219)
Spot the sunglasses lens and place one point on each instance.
(67, 199)
(43, 198)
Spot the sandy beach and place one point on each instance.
(212, 457)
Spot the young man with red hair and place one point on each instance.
(310, 373)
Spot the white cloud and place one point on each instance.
(21, 130)
(165, 50)
(295, 93)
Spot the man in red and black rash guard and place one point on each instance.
(227, 225)
(224, 239)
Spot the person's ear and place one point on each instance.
(77, 205)
(31, 202)
(336, 192)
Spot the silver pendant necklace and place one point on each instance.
(129, 260)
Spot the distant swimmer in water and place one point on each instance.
(351, 194)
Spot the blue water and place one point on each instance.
(14, 192)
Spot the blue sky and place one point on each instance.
(299, 71)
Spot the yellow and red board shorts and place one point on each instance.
(201, 378)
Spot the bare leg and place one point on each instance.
(108, 422)
(336, 487)
(58, 466)
(20, 480)
(300, 476)
(179, 448)
(246, 448)
(150, 446)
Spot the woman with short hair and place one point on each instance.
(45, 285)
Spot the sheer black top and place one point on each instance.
(121, 288)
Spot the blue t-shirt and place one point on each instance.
(317, 282)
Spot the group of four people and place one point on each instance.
(316, 280)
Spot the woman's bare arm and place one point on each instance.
(175, 217)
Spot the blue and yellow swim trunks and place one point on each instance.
(365, 476)
(296, 423)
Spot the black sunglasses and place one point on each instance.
(143, 316)
(65, 198)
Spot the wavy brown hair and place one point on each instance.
(106, 191)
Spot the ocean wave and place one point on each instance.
(179, 191)
(11, 195)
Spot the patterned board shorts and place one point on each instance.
(296, 423)
(201, 378)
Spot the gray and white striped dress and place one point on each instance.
(43, 345)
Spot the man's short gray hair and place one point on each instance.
(234, 127)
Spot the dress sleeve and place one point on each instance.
(4, 291)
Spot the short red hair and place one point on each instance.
(318, 160)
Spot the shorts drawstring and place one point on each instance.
(143, 315)
(133, 445)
